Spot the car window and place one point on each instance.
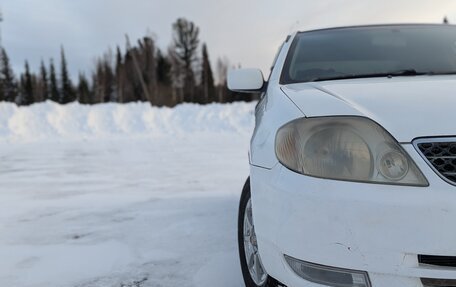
(334, 53)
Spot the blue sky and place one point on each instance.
(248, 32)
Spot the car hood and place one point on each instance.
(407, 107)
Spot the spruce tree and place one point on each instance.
(21, 89)
(132, 90)
(109, 82)
(7, 78)
(207, 78)
(164, 81)
(84, 96)
(99, 83)
(44, 82)
(163, 69)
(149, 67)
(104, 81)
(36, 84)
(27, 88)
(186, 41)
(54, 86)
(120, 77)
(67, 94)
(2, 94)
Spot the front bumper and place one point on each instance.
(375, 228)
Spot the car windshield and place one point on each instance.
(375, 51)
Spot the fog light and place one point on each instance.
(328, 276)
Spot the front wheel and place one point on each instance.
(252, 269)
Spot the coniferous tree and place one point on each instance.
(207, 78)
(120, 76)
(44, 83)
(21, 89)
(54, 86)
(84, 95)
(99, 83)
(177, 77)
(67, 94)
(36, 84)
(126, 73)
(164, 81)
(8, 82)
(161, 78)
(108, 82)
(222, 87)
(27, 87)
(185, 45)
(133, 90)
(103, 81)
(2, 94)
(163, 69)
(149, 67)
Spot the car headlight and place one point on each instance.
(345, 148)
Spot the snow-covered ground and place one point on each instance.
(121, 195)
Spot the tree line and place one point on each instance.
(143, 72)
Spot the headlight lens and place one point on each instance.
(345, 148)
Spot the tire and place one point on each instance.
(246, 273)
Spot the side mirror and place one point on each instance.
(245, 80)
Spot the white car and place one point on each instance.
(353, 160)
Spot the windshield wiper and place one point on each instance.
(399, 73)
(441, 73)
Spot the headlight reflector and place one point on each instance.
(331, 153)
(345, 148)
(393, 165)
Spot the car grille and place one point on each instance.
(442, 261)
(428, 282)
(447, 261)
(441, 154)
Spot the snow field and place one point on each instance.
(115, 195)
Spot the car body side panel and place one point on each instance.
(272, 112)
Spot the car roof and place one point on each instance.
(377, 26)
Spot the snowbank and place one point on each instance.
(47, 121)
